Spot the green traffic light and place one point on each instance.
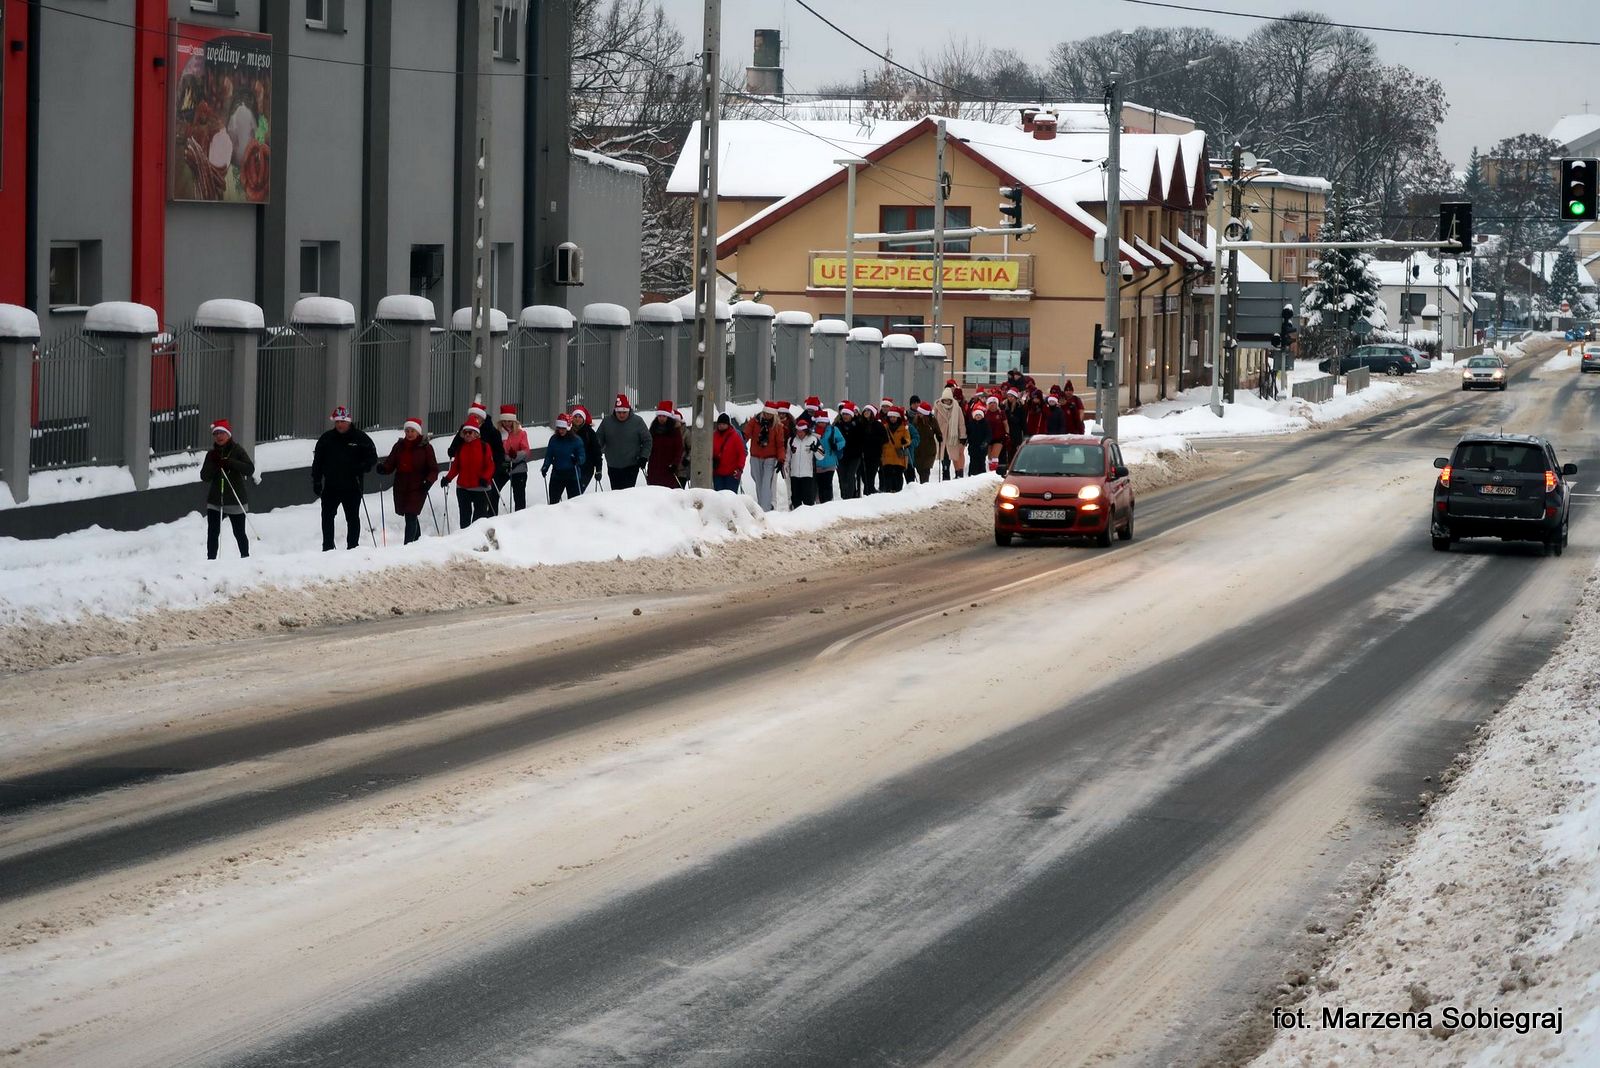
(1575, 207)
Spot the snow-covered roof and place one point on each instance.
(1544, 264)
(767, 159)
(1249, 269)
(1570, 128)
(1391, 274)
(323, 311)
(622, 166)
(1304, 182)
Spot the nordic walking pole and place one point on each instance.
(383, 520)
(371, 533)
(428, 496)
(229, 483)
(445, 493)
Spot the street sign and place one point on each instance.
(1261, 308)
(1361, 328)
(1566, 307)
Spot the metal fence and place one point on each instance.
(291, 371)
(449, 380)
(77, 409)
(530, 371)
(378, 377)
(589, 370)
(1315, 390)
(189, 373)
(654, 364)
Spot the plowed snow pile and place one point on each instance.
(1495, 909)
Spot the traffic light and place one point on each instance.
(1455, 224)
(1011, 207)
(1105, 344)
(1577, 189)
(1286, 328)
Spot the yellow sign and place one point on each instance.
(827, 272)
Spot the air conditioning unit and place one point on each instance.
(569, 264)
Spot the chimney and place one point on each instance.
(1028, 115)
(764, 77)
(1044, 126)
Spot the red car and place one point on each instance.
(1065, 486)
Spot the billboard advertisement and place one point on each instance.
(221, 115)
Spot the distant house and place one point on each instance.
(1424, 282)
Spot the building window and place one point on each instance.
(215, 7)
(310, 269)
(505, 30)
(427, 271)
(65, 263)
(993, 347)
(918, 217)
(317, 14)
(502, 290)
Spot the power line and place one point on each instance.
(1305, 21)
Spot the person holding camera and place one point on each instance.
(768, 448)
(805, 452)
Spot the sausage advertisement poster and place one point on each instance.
(222, 115)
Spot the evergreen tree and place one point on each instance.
(1473, 184)
(1564, 285)
(1346, 290)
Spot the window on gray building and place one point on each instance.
(319, 269)
(427, 272)
(74, 274)
(505, 30)
(215, 7)
(325, 15)
(501, 289)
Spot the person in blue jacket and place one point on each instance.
(828, 462)
(566, 457)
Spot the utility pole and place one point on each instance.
(482, 246)
(1218, 274)
(1230, 380)
(709, 357)
(1105, 398)
(850, 166)
(938, 230)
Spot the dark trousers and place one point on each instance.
(413, 529)
(624, 477)
(977, 461)
(850, 477)
(924, 473)
(519, 491)
(725, 482)
(802, 491)
(474, 504)
(564, 482)
(824, 487)
(333, 499)
(891, 478)
(214, 533)
(869, 478)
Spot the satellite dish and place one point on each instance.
(1247, 160)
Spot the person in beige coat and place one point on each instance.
(952, 423)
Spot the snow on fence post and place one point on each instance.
(544, 372)
(608, 325)
(129, 328)
(897, 353)
(863, 367)
(827, 360)
(19, 333)
(752, 351)
(331, 323)
(655, 353)
(411, 317)
(792, 359)
(239, 325)
(928, 377)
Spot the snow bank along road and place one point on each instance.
(1042, 805)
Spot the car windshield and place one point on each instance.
(1499, 456)
(1059, 460)
(1484, 361)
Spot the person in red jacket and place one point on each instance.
(727, 456)
(415, 470)
(999, 432)
(1072, 405)
(473, 470)
(666, 447)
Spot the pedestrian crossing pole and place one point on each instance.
(481, 245)
(710, 359)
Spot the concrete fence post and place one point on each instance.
(411, 317)
(19, 333)
(863, 367)
(827, 360)
(898, 352)
(928, 376)
(130, 327)
(752, 351)
(657, 356)
(329, 323)
(792, 355)
(237, 324)
(610, 323)
(689, 357)
(494, 375)
(552, 330)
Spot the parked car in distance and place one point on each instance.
(1484, 372)
(1421, 359)
(1065, 486)
(1506, 486)
(1576, 333)
(1379, 359)
(1590, 360)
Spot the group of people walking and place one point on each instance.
(862, 450)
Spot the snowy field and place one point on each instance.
(1496, 905)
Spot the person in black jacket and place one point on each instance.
(849, 428)
(226, 471)
(339, 465)
(594, 459)
(490, 435)
(977, 440)
(873, 438)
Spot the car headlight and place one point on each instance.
(1499, 372)
(1010, 492)
(1089, 493)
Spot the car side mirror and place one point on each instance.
(1119, 472)
(1441, 462)
(1569, 469)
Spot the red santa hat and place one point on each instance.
(578, 409)
(822, 416)
(891, 410)
(411, 424)
(887, 402)
(222, 425)
(1012, 393)
(562, 423)
(341, 414)
(1053, 399)
(870, 409)
(665, 408)
(1055, 387)
(950, 382)
(813, 404)
(992, 399)
(507, 411)
(623, 404)
(847, 406)
(924, 408)
(470, 424)
(802, 423)
(477, 411)
(775, 406)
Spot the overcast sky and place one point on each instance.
(1494, 89)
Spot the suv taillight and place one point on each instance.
(1549, 481)
(1444, 476)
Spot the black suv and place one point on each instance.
(1506, 486)
(1379, 359)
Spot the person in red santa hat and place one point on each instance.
(473, 471)
(593, 461)
(514, 442)
(625, 441)
(874, 437)
(339, 465)
(415, 470)
(768, 440)
(226, 471)
(666, 447)
(490, 436)
(929, 440)
(1072, 406)
(847, 439)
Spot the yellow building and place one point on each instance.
(1030, 302)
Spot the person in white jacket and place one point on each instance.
(805, 450)
(952, 423)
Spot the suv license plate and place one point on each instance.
(1503, 491)
(1047, 513)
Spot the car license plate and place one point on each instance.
(1047, 513)
(1503, 491)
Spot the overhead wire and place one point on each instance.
(1318, 21)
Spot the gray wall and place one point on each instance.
(607, 209)
(505, 222)
(85, 144)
